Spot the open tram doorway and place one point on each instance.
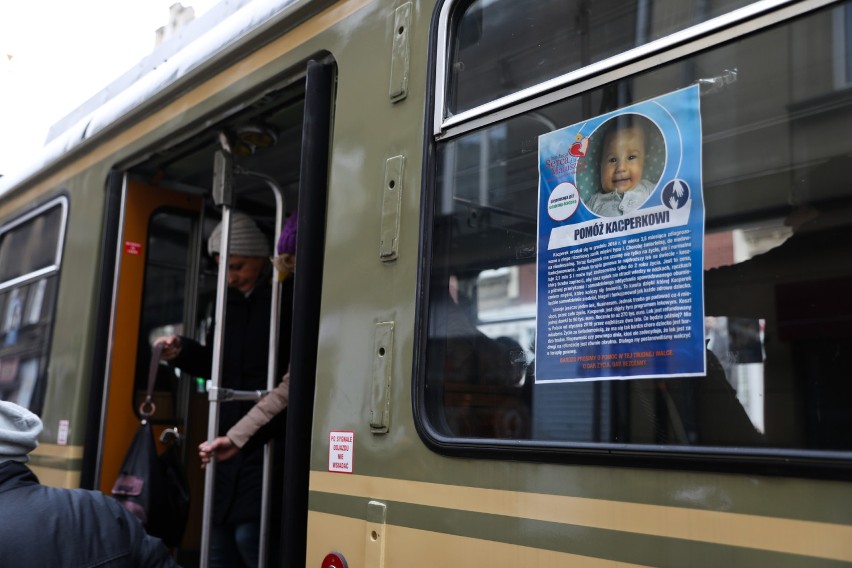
(166, 284)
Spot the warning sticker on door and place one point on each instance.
(340, 449)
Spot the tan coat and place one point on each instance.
(261, 413)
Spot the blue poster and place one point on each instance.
(620, 234)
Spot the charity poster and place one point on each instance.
(620, 245)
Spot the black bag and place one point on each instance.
(154, 487)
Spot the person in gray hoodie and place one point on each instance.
(49, 526)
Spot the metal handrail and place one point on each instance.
(222, 195)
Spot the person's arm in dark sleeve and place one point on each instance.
(194, 358)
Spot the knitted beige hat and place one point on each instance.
(246, 238)
(19, 430)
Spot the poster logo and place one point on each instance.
(580, 147)
(676, 194)
(563, 202)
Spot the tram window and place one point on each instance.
(777, 265)
(30, 245)
(163, 302)
(30, 251)
(555, 37)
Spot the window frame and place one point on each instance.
(723, 28)
(841, 42)
(62, 201)
(50, 271)
(441, 128)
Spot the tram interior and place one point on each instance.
(264, 137)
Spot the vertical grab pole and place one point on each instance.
(272, 366)
(222, 195)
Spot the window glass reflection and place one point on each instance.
(28, 304)
(503, 46)
(777, 267)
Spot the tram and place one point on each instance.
(466, 388)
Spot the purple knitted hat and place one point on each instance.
(287, 240)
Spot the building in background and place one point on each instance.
(179, 17)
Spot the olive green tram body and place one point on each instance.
(398, 492)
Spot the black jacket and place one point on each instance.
(239, 480)
(45, 526)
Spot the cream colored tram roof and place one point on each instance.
(223, 26)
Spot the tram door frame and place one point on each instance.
(140, 203)
(310, 245)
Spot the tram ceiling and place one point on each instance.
(265, 140)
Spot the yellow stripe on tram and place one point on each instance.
(791, 536)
